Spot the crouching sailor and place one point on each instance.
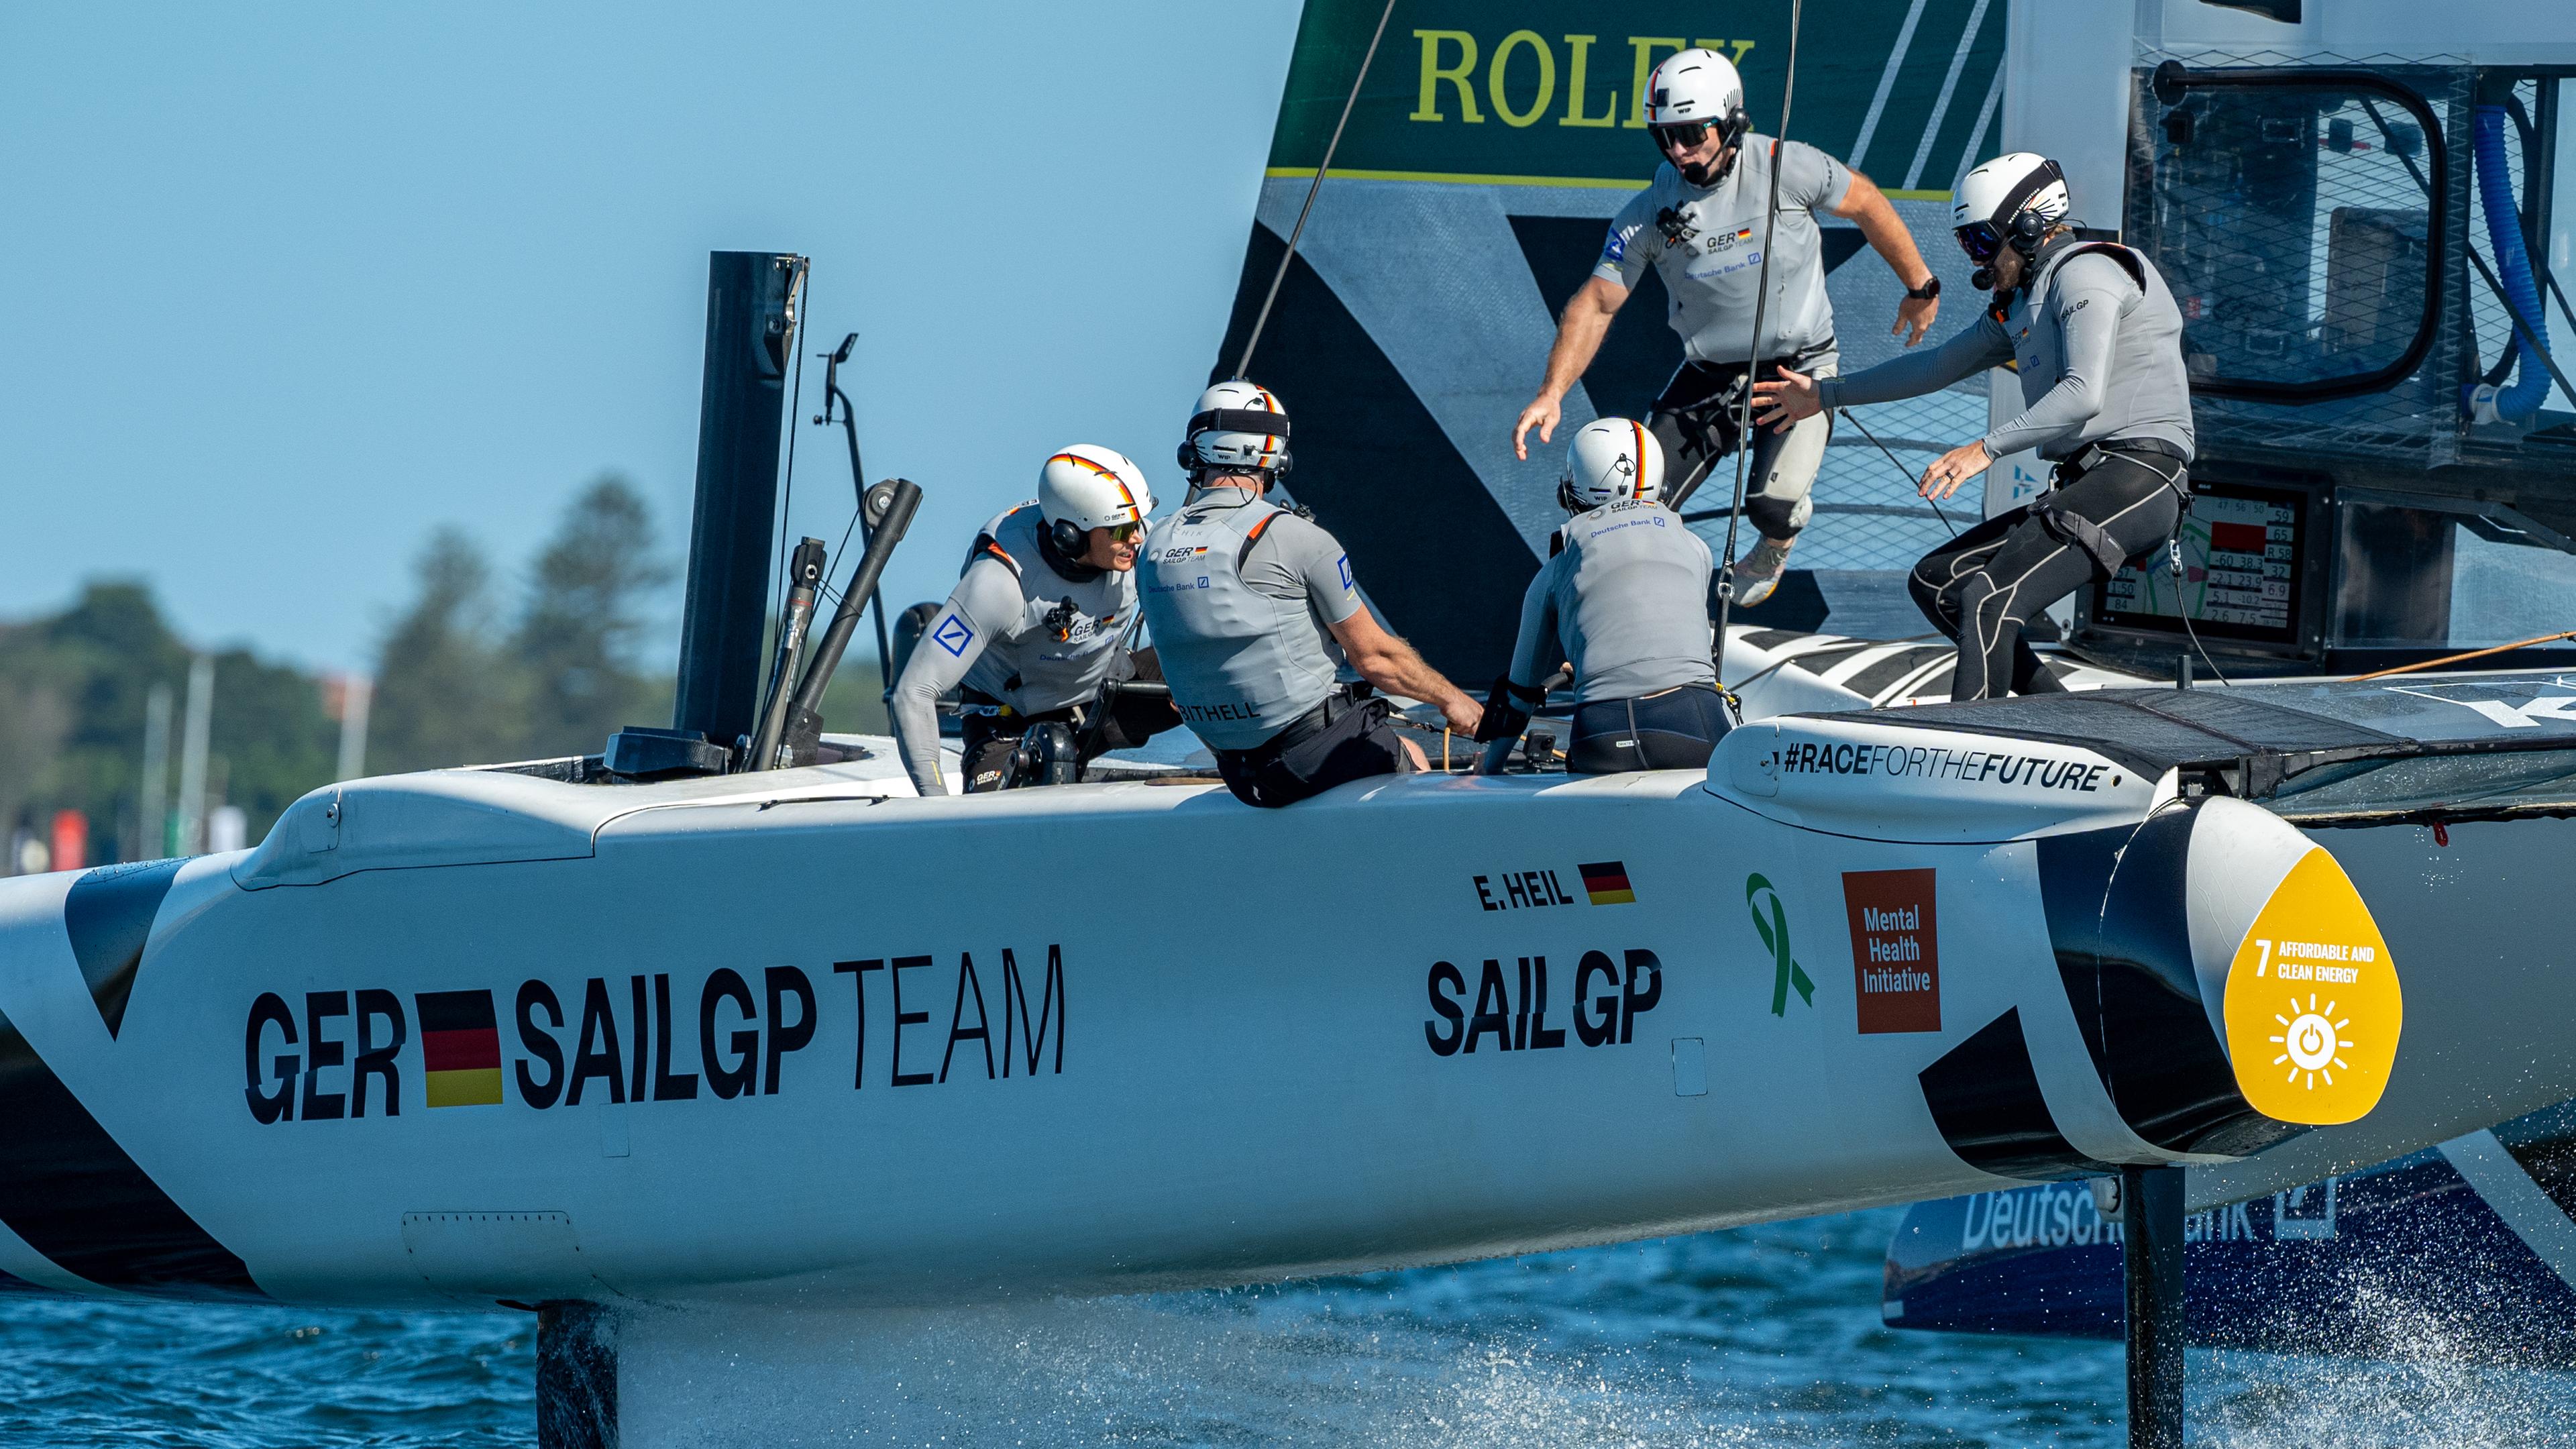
(2097, 340)
(1039, 624)
(1623, 599)
(1250, 605)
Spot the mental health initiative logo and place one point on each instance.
(1896, 949)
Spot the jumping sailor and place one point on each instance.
(2097, 340)
(1623, 599)
(1039, 624)
(1250, 605)
(1702, 223)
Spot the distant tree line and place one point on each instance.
(468, 672)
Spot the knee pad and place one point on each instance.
(1778, 517)
(1971, 594)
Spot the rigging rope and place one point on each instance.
(1243, 364)
(1905, 472)
(1753, 364)
(2472, 654)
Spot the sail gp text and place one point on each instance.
(1609, 996)
(729, 1035)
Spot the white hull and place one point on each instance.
(1240, 1076)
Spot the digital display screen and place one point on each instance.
(2242, 563)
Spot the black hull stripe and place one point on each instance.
(1984, 1095)
(80, 1199)
(109, 915)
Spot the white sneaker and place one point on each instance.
(1758, 572)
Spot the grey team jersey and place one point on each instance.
(1712, 264)
(1240, 597)
(2100, 358)
(1014, 629)
(1624, 600)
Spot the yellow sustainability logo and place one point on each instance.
(2313, 1004)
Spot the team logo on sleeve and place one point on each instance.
(1614, 248)
(953, 635)
(1345, 566)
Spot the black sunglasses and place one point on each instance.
(1681, 136)
(1979, 241)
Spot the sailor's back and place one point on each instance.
(1627, 590)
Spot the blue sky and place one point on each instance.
(284, 287)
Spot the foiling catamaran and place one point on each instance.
(631, 1032)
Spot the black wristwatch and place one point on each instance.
(1930, 289)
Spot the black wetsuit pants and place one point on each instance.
(1695, 420)
(1982, 587)
(1334, 743)
(1672, 729)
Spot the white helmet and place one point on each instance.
(2012, 201)
(1238, 427)
(1697, 86)
(1088, 486)
(1610, 459)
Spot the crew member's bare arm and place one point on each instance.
(1394, 667)
(1578, 337)
(1885, 232)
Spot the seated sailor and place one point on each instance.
(1623, 599)
(2097, 341)
(1250, 607)
(1037, 631)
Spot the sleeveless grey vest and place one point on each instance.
(1241, 663)
(1631, 588)
(1067, 639)
(2149, 391)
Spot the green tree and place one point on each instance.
(582, 626)
(72, 692)
(270, 741)
(104, 654)
(445, 694)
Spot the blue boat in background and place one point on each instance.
(2461, 1253)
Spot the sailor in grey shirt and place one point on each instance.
(1041, 619)
(2096, 338)
(1706, 226)
(1254, 610)
(1623, 602)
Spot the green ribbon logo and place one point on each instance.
(1774, 930)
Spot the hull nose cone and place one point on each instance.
(2310, 1006)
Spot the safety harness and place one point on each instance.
(2049, 509)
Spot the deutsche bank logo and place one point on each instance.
(1345, 566)
(953, 635)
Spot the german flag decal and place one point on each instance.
(1607, 883)
(460, 1046)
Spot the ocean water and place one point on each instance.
(1759, 1336)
